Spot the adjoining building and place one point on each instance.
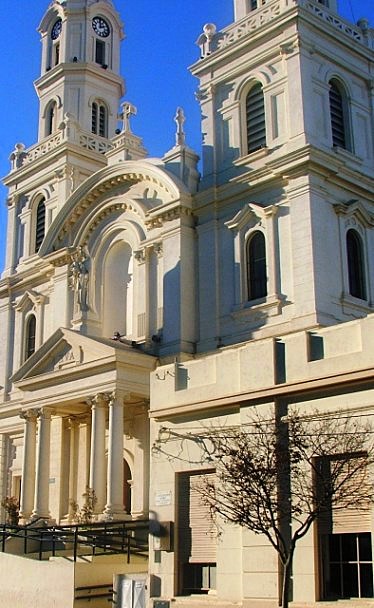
(141, 298)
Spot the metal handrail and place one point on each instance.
(129, 537)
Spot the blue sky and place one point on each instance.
(159, 46)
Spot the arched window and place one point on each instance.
(39, 224)
(51, 119)
(255, 116)
(256, 266)
(30, 336)
(356, 267)
(99, 119)
(339, 115)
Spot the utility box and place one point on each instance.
(161, 603)
(130, 591)
(163, 536)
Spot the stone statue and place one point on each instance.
(79, 279)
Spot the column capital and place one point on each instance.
(116, 399)
(29, 415)
(73, 421)
(99, 400)
(45, 412)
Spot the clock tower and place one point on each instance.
(79, 91)
(80, 66)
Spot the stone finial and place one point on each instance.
(18, 156)
(180, 119)
(206, 40)
(128, 110)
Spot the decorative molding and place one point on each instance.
(157, 221)
(139, 255)
(29, 415)
(109, 184)
(356, 214)
(250, 211)
(31, 297)
(271, 9)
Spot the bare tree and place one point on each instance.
(277, 476)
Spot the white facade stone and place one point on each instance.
(140, 291)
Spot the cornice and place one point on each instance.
(291, 391)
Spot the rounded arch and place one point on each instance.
(54, 12)
(263, 77)
(54, 99)
(329, 74)
(111, 216)
(96, 99)
(36, 197)
(77, 210)
(50, 118)
(113, 296)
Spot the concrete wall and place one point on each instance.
(26, 582)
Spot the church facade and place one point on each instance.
(141, 299)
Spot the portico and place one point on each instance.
(84, 406)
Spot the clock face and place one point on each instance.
(100, 27)
(56, 30)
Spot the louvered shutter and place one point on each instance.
(353, 517)
(337, 117)
(197, 535)
(348, 517)
(255, 110)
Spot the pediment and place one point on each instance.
(65, 350)
(355, 209)
(251, 213)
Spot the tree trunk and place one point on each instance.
(287, 571)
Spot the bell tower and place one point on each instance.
(287, 112)
(80, 66)
(79, 93)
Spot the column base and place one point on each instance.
(24, 518)
(114, 515)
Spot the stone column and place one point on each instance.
(88, 451)
(97, 454)
(114, 505)
(28, 464)
(41, 502)
(73, 465)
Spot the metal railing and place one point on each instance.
(41, 542)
